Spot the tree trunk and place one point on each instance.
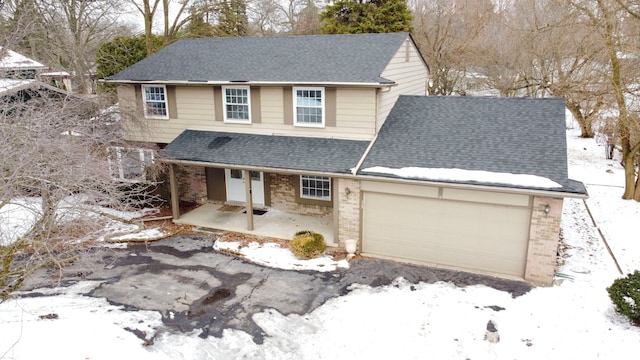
(628, 152)
(148, 27)
(585, 123)
(636, 195)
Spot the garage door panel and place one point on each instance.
(486, 237)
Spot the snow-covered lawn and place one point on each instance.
(571, 320)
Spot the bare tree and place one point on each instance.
(55, 168)
(447, 33)
(615, 24)
(147, 9)
(538, 48)
(265, 16)
(176, 14)
(75, 29)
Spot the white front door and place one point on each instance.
(236, 188)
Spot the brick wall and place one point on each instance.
(283, 197)
(192, 183)
(544, 236)
(348, 210)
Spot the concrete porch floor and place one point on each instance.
(274, 223)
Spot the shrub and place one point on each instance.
(308, 244)
(625, 294)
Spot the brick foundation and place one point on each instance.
(544, 236)
(283, 197)
(192, 184)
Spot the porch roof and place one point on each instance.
(266, 151)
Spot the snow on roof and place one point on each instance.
(11, 84)
(460, 175)
(13, 60)
(55, 73)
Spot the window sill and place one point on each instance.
(317, 126)
(242, 122)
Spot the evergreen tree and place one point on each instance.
(232, 18)
(198, 27)
(366, 16)
(122, 52)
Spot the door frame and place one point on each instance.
(235, 186)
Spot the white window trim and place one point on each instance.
(323, 198)
(116, 167)
(224, 105)
(166, 102)
(295, 107)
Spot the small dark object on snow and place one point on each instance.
(491, 327)
(413, 288)
(51, 316)
(495, 308)
(492, 333)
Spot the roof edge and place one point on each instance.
(284, 83)
(348, 175)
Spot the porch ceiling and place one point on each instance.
(267, 151)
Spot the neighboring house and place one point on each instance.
(319, 125)
(16, 93)
(61, 79)
(68, 81)
(17, 66)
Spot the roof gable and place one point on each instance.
(359, 58)
(476, 135)
(11, 86)
(12, 60)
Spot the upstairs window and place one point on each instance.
(315, 187)
(155, 101)
(237, 104)
(308, 107)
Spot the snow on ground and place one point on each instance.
(271, 254)
(572, 320)
(18, 216)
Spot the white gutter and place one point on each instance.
(355, 170)
(281, 83)
(380, 179)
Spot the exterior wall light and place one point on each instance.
(547, 209)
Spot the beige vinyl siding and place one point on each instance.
(137, 127)
(272, 109)
(195, 104)
(356, 110)
(409, 72)
(196, 110)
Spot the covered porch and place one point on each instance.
(268, 222)
(236, 176)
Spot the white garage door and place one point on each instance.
(471, 235)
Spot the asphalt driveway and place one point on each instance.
(195, 287)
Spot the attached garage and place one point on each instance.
(465, 229)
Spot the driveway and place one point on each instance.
(197, 288)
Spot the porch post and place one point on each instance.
(249, 200)
(173, 189)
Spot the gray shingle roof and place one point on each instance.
(316, 58)
(504, 135)
(278, 152)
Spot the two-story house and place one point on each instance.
(338, 127)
